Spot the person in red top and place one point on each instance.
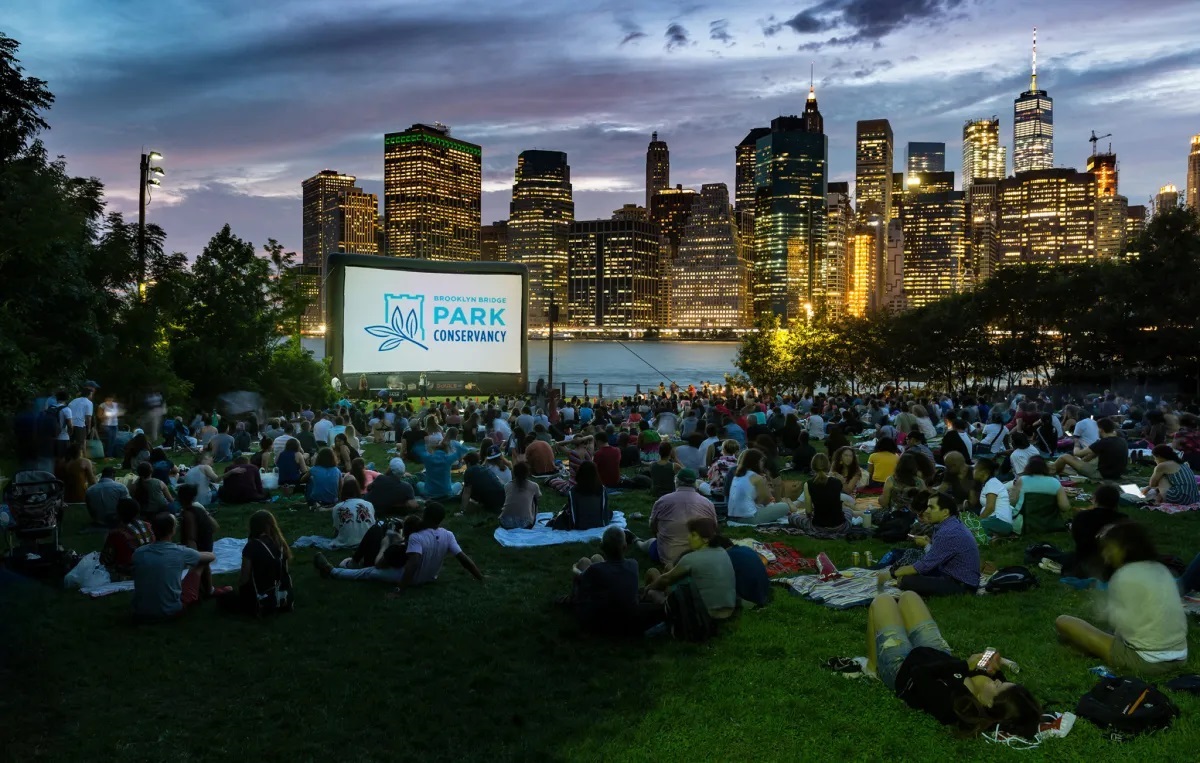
(131, 533)
(608, 461)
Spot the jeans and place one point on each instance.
(388, 575)
(1190, 580)
(892, 646)
(765, 514)
(110, 441)
(931, 585)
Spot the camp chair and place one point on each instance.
(1041, 514)
(35, 501)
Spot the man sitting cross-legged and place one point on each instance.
(1104, 459)
(605, 591)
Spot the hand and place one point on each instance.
(921, 541)
(883, 576)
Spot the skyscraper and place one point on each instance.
(983, 201)
(894, 298)
(873, 157)
(493, 242)
(746, 169)
(669, 210)
(935, 243)
(658, 167)
(983, 156)
(710, 280)
(351, 227)
(926, 157)
(1193, 176)
(1111, 208)
(839, 242)
(319, 200)
(1048, 216)
(539, 226)
(861, 267)
(1166, 199)
(614, 274)
(928, 182)
(1033, 125)
(789, 219)
(431, 192)
(1135, 225)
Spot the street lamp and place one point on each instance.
(148, 175)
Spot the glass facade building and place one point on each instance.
(539, 226)
(983, 156)
(614, 274)
(1048, 216)
(710, 280)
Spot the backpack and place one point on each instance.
(894, 526)
(1126, 707)
(686, 616)
(1036, 552)
(50, 422)
(1012, 579)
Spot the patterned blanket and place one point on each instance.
(856, 590)
(1171, 508)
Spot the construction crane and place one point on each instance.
(1097, 138)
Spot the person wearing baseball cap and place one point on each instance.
(670, 516)
(391, 493)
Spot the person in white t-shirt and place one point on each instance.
(816, 427)
(1022, 452)
(995, 507)
(1086, 432)
(110, 416)
(321, 430)
(82, 411)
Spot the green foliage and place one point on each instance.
(293, 379)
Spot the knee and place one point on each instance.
(911, 597)
(1062, 623)
(597, 558)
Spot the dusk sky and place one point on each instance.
(246, 99)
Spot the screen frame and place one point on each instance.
(435, 382)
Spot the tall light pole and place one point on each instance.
(145, 171)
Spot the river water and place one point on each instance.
(615, 365)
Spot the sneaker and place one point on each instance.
(849, 667)
(1049, 565)
(825, 568)
(322, 564)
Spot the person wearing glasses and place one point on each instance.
(951, 561)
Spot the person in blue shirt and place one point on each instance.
(753, 585)
(734, 432)
(324, 479)
(585, 413)
(438, 462)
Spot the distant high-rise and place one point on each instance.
(493, 242)
(893, 297)
(1166, 199)
(983, 198)
(746, 169)
(431, 193)
(1048, 216)
(839, 241)
(539, 226)
(789, 219)
(928, 182)
(614, 274)
(926, 157)
(862, 269)
(319, 201)
(873, 157)
(1193, 176)
(630, 212)
(1111, 207)
(1135, 225)
(710, 280)
(658, 167)
(983, 156)
(669, 210)
(935, 243)
(1033, 125)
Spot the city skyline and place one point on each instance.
(240, 126)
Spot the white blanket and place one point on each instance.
(229, 559)
(541, 535)
(318, 541)
(735, 523)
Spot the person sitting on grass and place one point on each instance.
(956, 479)
(649, 440)
(1036, 480)
(662, 472)
(1104, 459)
(827, 513)
(197, 528)
(1172, 481)
(390, 492)
(129, 535)
(604, 592)
(352, 516)
(102, 498)
(907, 652)
(721, 471)
(157, 583)
(384, 545)
(902, 484)
(242, 483)
(995, 505)
(438, 464)
(926, 462)
(882, 462)
(481, 485)
(323, 480)
(751, 582)
(670, 517)
(1142, 605)
(587, 502)
(360, 472)
(707, 567)
(152, 494)
(845, 466)
(750, 499)
(951, 561)
(265, 583)
(425, 552)
(291, 463)
(1086, 560)
(521, 498)
(956, 439)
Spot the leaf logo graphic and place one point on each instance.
(400, 329)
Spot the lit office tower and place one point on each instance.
(539, 224)
(493, 242)
(319, 200)
(710, 281)
(1111, 208)
(861, 272)
(746, 169)
(352, 227)
(669, 210)
(935, 242)
(1048, 216)
(894, 299)
(929, 182)
(1135, 226)
(984, 235)
(839, 241)
(926, 157)
(873, 156)
(658, 167)
(1033, 125)
(1193, 176)
(1166, 199)
(431, 191)
(614, 274)
(983, 156)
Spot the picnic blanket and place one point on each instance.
(787, 561)
(1171, 508)
(541, 535)
(318, 541)
(229, 559)
(1191, 605)
(842, 592)
(782, 521)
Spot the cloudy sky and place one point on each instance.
(246, 99)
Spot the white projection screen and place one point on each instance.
(450, 327)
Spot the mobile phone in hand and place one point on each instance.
(985, 660)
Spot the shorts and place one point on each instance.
(996, 526)
(653, 552)
(515, 523)
(892, 646)
(1089, 469)
(1126, 659)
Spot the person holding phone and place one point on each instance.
(951, 561)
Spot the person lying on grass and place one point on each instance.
(707, 567)
(907, 652)
(604, 591)
(425, 552)
(1142, 605)
(951, 561)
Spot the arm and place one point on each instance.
(1156, 476)
(247, 570)
(469, 566)
(206, 557)
(885, 498)
(870, 470)
(762, 491)
(670, 577)
(1064, 503)
(466, 496)
(189, 530)
(989, 507)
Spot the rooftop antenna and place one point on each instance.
(812, 93)
(1033, 80)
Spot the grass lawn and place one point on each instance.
(463, 671)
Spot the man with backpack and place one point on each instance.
(55, 425)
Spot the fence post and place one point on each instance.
(600, 390)
(564, 390)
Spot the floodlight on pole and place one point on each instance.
(145, 181)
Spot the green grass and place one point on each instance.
(463, 671)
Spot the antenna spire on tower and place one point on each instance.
(1033, 79)
(812, 93)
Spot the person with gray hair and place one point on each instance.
(605, 593)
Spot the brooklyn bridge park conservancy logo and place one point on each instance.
(404, 321)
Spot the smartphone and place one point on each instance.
(986, 658)
(911, 536)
